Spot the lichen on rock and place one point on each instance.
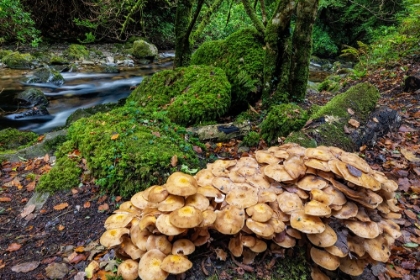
(190, 95)
(143, 49)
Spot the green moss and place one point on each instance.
(143, 49)
(65, 175)
(13, 139)
(241, 56)
(300, 138)
(75, 51)
(361, 98)
(191, 95)
(58, 60)
(3, 53)
(331, 84)
(251, 139)
(128, 150)
(16, 60)
(281, 120)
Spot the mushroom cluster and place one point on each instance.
(326, 195)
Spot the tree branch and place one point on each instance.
(253, 16)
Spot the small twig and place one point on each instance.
(243, 266)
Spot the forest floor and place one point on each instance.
(59, 240)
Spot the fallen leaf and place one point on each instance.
(61, 206)
(86, 204)
(405, 128)
(221, 254)
(47, 158)
(61, 227)
(118, 198)
(174, 160)
(13, 247)
(27, 210)
(156, 133)
(5, 199)
(40, 138)
(31, 186)
(79, 249)
(409, 155)
(91, 268)
(410, 214)
(197, 149)
(103, 207)
(2, 264)
(354, 123)
(102, 199)
(350, 111)
(25, 267)
(375, 120)
(115, 136)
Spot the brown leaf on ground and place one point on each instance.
(5, 199)
(174, 160)
(61, 227)
(27, 210)
(103, 207)
(410, 214)
(31, 186)
(102, 199)
(61, 206)
(25, 267)
(409, 155)
(2, 264)
(13, 247)
(86, 204)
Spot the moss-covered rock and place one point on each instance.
(281, 120)
(329, 121)
(143, 49)
(13, 139)
(46, 74)
(88, 112)
(58, 60)
(241, 56)
(31, 97)
(126, 149)
(16, 60)
(331, 84)
(3, 53)
(190, 94)
(75, 51)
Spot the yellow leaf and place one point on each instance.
(409, 155)
(91, 268)
(115, 136)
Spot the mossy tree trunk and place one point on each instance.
(287, 55)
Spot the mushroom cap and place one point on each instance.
(390, 227)
(377, 248)
(284, 240)
(175, 264)
(235, 246)
(198, 201)
(356, 245)
(223, 184)
(112, 237)
(230, 220)
(131, 249)
(183, 247)
(260, 212)
(209, 216)
(220, 167)
(266, 157)
(147, 221)
(317, 274)
(157, 194)
(324, 239)
(149, 266)
(353, 267)
(204, 177)
(289, 202)
(338, 197)
(277, 172)
(140, 202)
(321, 196)
(386, 184)
(261, 229)
(201, 236)
(340, 252)
(310, 182)
(258, 180)
(260, 246)
(319, 153)
(128, 269)
(164, 226)
(181, 184)
(208, 191)
(248, 240)
(316, 208)
(294, 166)
(367, 230)
(277, 225)
(317, 164)
(242, 196)
(247, 161)
(294, 233)
(278, 152)
(186, 217)
(159, 242)
(128, 207)
(119, 220)
(306, 223)
(355, 161)
(349, 210)
(139, 237)
(324, 259)
(171, 203)
(267, 195)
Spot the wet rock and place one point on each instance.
(56, 270)
(16, 60)
(110, 68)
(46, 74)
(31, 97)
(143, 49)
(36, 111)
(87, 112)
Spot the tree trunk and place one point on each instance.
(206, 19)
(183, 48)
(302, 47)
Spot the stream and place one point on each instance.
(80, 90)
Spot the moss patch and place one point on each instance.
(241, 56)
(75, 51)
(251, 139)
(300, 138)
(16, 60)
(126, 149)
(281, 120)
(13, 139)
(191, 95)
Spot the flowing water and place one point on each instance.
(80, 90)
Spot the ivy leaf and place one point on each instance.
(411, 245)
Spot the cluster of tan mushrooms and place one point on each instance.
(332, 197)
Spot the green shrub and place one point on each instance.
(281, 120)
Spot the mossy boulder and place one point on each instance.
(126, 150)
(331, 84)
(190, 95)
(58, 60)
(46, 74)
(330, 125)
(31, 97)
(3, 53)
(16, 60)
(13, 139)
(75, 51)
(281, 120)
(143, 49)
(241, 56)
